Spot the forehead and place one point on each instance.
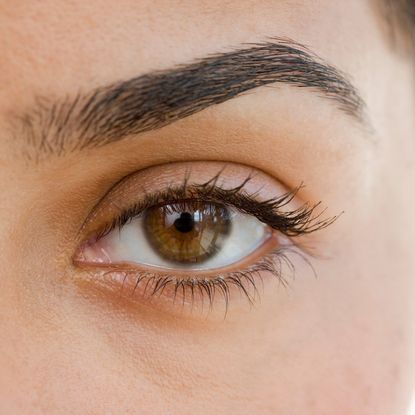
(98, 41)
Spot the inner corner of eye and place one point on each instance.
(192, 235)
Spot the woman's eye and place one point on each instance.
(195, 229)
(185, 235)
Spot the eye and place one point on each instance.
(175, 231)
(188, 235)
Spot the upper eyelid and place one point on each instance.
(291, 223)
(254, 172)
(170, 195)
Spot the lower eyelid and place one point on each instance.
(175, 292)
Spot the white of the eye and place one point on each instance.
(130, 244)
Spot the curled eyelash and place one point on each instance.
(300, 221)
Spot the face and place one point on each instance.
(201, 216)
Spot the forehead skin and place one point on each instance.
(343, 345)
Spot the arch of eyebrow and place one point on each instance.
(110, 113)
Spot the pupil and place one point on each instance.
(184, 223)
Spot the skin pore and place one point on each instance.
(340, 341)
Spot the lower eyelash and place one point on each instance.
(277, 263)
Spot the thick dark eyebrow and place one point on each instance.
(151, 101)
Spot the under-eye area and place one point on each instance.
(197, 233)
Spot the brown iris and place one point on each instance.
(188, 231)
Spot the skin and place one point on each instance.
(341, 343)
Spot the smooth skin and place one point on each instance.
(341, 343)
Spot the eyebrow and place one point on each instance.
(151, 101)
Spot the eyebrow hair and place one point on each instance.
(110, 113)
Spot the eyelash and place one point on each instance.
(300, 221)
(245, 280)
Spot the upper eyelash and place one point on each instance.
(300, 221)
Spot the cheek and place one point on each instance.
(340, 343)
